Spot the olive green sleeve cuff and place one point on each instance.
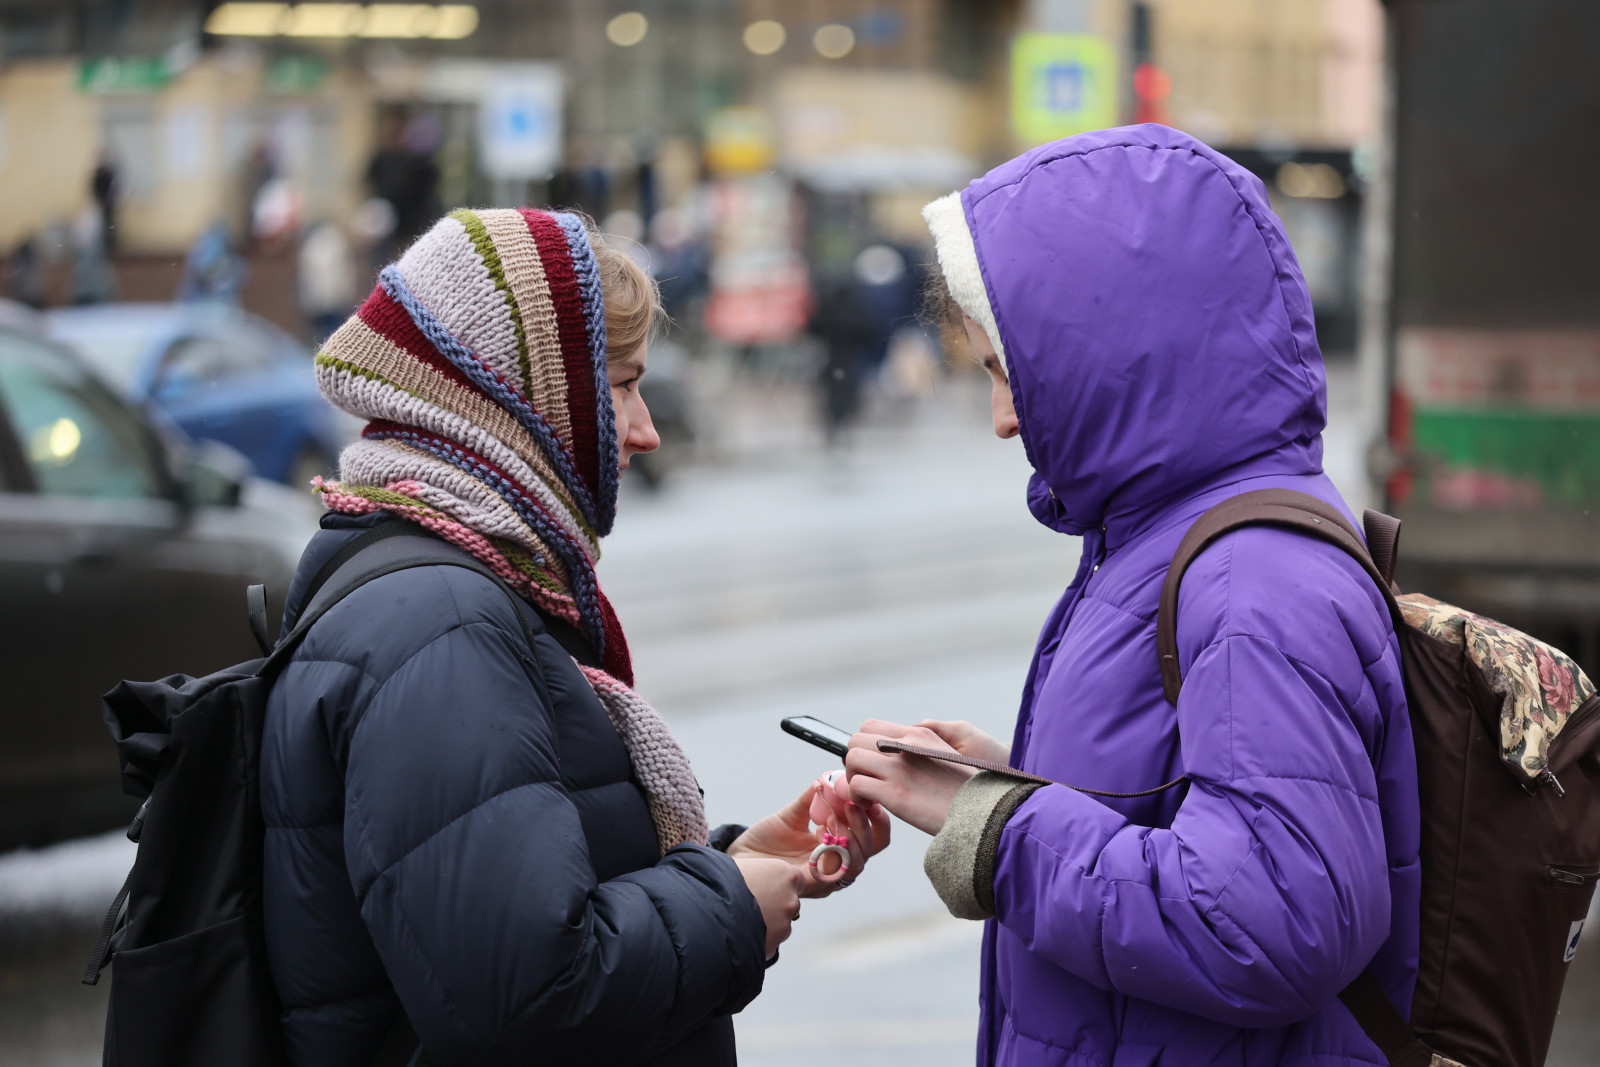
(961, 860)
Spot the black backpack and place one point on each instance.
(190, 986)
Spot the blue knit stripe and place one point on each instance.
(586, 589)
(594, 321)
(462, 358)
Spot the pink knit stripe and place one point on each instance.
(463, 537)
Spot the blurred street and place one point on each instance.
(903, 578)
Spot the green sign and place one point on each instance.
(295, 74)
(123, 74)
(1061, 84)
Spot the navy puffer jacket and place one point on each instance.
(455, 829)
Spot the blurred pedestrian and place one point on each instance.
(499, 848)
(25, 273)
(403, 172)
(1149, 337)
(840, 323)
(855, 318)
(212, 270)
(106, 188)
(90, 279)
(325, 278)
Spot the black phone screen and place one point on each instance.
(819, 733)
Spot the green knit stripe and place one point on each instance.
(518, 557)
(491, 259)
(335, 363)
(379, 495)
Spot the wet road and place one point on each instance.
(905, 581)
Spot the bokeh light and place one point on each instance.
(764, 37)
(834, 41)
(627, 29)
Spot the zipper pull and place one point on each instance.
(1553, 782)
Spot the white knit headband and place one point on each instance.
(958, 260)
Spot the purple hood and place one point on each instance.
(1159, 339)
(1156, 326)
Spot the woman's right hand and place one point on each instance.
(966, 739)
(776, 885)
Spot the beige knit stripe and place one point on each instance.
(440, 485)
(373, 398)
(444, 271)
(363, 347)
(524, 271)
(659, 762)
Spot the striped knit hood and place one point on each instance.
(480, 362)
(480, 359)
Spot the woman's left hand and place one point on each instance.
(786, 834)
(918, 790)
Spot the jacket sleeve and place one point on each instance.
(1268, 893)
(470, 865)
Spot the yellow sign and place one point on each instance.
(739, 141)
(1061, 84)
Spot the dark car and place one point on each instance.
(220, 373)
(124, 553)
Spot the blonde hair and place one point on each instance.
(632, 299)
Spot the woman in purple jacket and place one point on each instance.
(1150, 339)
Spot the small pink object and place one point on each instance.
(826, 816)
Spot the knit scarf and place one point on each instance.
(480, 362)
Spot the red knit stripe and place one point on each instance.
(391, 322)
(568, 302)
(618, 663)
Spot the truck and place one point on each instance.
(1482, 341)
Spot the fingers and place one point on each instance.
(951, 732)
(879, 820)
(798, 811)
(883, 727)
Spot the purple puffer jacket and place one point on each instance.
(1159, 339)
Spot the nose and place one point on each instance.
(642, 436)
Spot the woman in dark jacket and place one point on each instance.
(493, 843)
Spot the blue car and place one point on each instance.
(219, 373)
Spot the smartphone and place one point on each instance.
(819, 733)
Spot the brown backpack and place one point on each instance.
(1507, 734)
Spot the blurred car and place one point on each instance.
(220, 373)
(124, 553)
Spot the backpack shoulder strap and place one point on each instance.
(1383, 541)
(1364, 997)
(1264, 507)
(386, 548)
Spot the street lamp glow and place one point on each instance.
(455, 22)
(324, 20)
(247, 20)
(627, 29)
(764, 37)
(834, 41)
(442, 22)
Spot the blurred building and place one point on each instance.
(275, 116)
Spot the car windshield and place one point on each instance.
(113, 349)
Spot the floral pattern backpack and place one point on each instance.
(1507, 733)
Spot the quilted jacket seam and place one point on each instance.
(1114, 606)
(386, 868)
(359, 825)
(445, 999)
(1276, 966)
